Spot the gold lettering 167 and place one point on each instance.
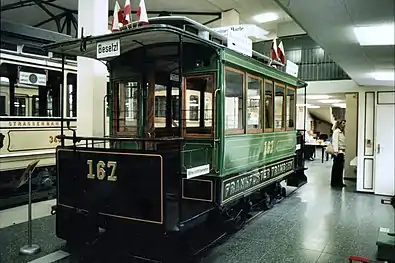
(101, 170)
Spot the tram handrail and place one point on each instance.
(115, 139)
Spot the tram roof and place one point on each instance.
(129, 40)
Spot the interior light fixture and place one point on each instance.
(266, 17)
(329, 101)
(318, 97)
(339, 105)
(375, 35)
(385, 76)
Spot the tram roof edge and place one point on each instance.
(38, 35)
(129, 40)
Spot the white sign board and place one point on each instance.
(240, 44)
(197, 171)
(110, 48)
(292, 69)
(248, 30)
(32, 78)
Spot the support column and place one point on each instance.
(230, 18)
(91, 80)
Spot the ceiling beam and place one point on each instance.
(22, 3)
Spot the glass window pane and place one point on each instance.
(175, 102)
(199, 98)
(126, 106)
(160, 106)
(268, 105)
(254, 103)
(279, 107)
(290, 108)
(234, 100)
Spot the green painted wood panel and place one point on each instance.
(248, 151)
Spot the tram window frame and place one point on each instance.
(292, 109)
(199, 131)
(283, 113)
(132, 130)
(260, 104)
(268, 129)
(238, 130)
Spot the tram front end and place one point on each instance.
(106, 192)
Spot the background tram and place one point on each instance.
(199, 134)
(30, 110)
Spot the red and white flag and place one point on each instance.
(281, 53)
(115, 18)
(274, 49)
(127, 12)
(142, 13)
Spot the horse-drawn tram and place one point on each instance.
(200, 133)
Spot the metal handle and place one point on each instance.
(378, 148)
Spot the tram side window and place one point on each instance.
(279, 107)
(2, 106)
(71, 95)
(36, 106)
(126, 107)
(268, 106)
(291, 108)
(175, 102)
(160, 106)
(20, 106)
(234, 121)
(4, 97)
(254, 113)
(198, 108)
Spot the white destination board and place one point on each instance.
(110, 48)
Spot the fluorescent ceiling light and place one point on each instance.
(313, 107)
(375, 35)
(318, 97)
(340, 105)
(383, 76)
(329, 101)
(266, 17)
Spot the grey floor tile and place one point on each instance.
(301, 255)
(330, 258)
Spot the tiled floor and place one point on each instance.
(315, 224)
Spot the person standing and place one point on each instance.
(339, 148)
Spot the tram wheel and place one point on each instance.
(267, 201)
(283, 192)
(237, 217)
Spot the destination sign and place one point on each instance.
(254, 179)
(109, 48)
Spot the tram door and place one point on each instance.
(162, 106)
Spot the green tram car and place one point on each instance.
(199, 132)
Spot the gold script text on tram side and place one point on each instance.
(101, 171)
